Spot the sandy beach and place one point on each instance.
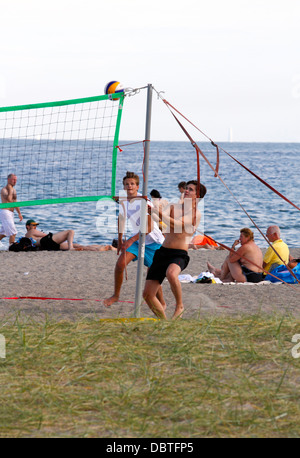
(64, 276)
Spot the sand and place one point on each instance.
(89, 276)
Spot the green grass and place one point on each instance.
(217, 377)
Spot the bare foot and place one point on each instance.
(216, 272)
(211, 268)
(111, 300)
(178, 313)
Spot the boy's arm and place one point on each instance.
(185, 222)
(121, 229)
(167, 216)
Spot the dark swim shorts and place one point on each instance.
(163, 257)
(47, 243)
(253, 277)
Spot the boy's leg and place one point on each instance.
(124, 259)
(148, 261)
(172, 275)
(160, 297)
(150, 295)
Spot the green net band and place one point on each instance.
(117, 96)
(63, 151)
(65, 200)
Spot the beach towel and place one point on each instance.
(208, 277)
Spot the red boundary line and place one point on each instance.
(58, 299)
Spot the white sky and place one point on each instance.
(223, 63)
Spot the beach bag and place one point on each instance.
(282, 273)
(23, 244)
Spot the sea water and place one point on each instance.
(223, 209)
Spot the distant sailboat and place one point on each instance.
(230, 136)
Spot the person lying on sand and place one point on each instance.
(202, 241)
(62, 240)
(236, 267)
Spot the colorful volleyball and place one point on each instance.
(113, 87)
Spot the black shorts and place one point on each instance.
(253, 277)
(163, 257)
(47, 243)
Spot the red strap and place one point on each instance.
(218, 158)
(262, 181)
(246, 168)
(216, 170)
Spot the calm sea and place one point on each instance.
(172, 162)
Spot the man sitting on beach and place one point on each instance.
(60, 241)
(182, 220)
(130, 207)
(280, 256)
(243, 265)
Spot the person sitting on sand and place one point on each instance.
(242, 265)
(62, 240)
(280, 256)
(172, 257)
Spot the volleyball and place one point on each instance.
(113, 87)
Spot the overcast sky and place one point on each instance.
(226, 64)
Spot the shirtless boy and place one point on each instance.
(182, 220)
(9, 194)
(236, 267)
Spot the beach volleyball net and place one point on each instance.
(62, 151)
